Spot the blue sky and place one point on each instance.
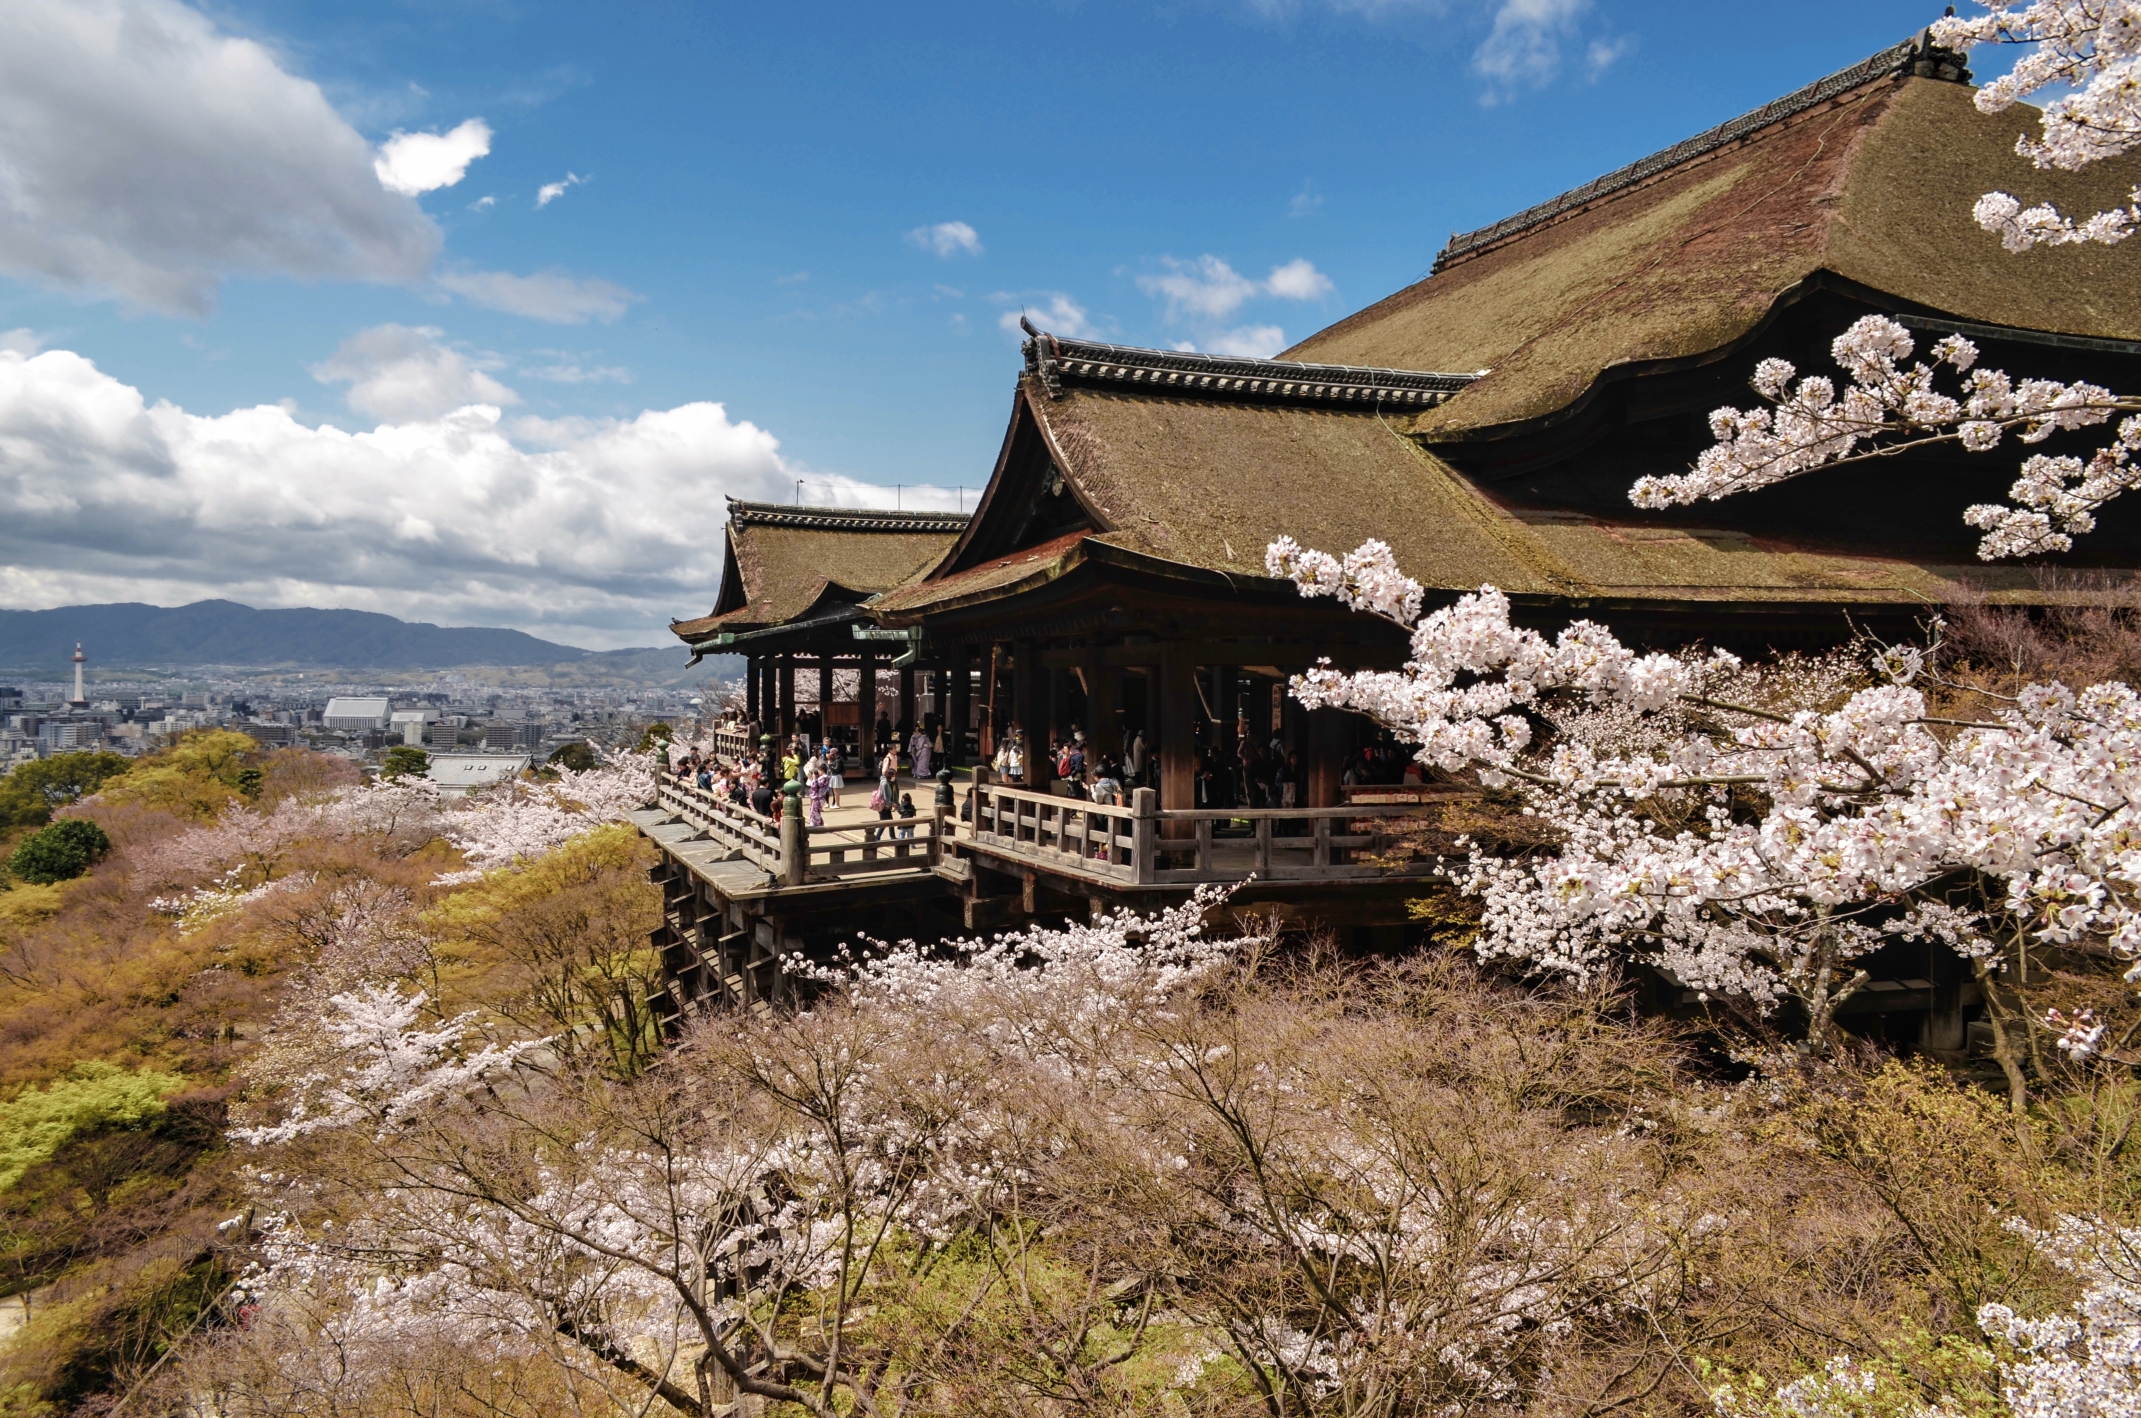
(815, 217)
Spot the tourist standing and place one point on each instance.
(922, 752)
(817, 790)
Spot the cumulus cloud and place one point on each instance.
(148, 155)
(947, 238)
(23, 341)
(1060, 316)
(590, 530)
(1248, 341)
(547, 295)
(1210, 289)
(425, 162)
(550, 191)
(1523, 50)
(400, 373)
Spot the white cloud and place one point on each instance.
(1061, 316)
(547, 295)
(568, 372)
(23, 341)
(1298, 280)
(425, 162)
(591, 530)
(483, 203)
(1206, 286)
(148, 155)
(1603, 53)
(550, 191)
(1207, 290)
(1248, 341)
(400, 373)
(1524, 48)
(1305, 202)
(947, 238)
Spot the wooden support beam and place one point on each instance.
(961, 717)
(750, 687)
(786, 718)
(1329, 736)
(907, 720)
(825, 694)
(1280, 654)
(866, 748)
(1177, 739)
(1104, 735)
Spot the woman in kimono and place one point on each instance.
(920, 749)
(817, 790)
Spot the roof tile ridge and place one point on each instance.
(1056, 360)
(1916, 57)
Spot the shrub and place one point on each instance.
(41, 1120)
(405, 761)
(576, 756)
(32, 790)
(60, 852)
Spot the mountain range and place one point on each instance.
(227, 635)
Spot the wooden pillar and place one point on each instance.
(866, 745)
(1027, 679)
(1329, 734)
(1226, 699)
(825, 696)
(1105, 734)
(1260, 711)
(906, 710)
(786, 677)
(1177, 738)
(961, 704)
(750, 687)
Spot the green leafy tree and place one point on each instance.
(60, 852)
(575, 755)
(405, 761)
(656, 737)
(30, 793)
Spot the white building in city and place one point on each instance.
(351, 715)
(459, 773)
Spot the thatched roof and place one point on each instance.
(1208, 484)
(1684, 254)
(785, 562)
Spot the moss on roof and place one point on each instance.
(1876, 187)
(780, 572)
(1211, 485)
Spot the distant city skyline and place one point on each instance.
(474, 314)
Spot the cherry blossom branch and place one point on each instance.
(1889, 408)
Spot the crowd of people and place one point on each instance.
(1254, 772)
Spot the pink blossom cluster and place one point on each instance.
(1869, 809)
(2088, 51)
(1888, 407)
(515, 823)
(366, 1061)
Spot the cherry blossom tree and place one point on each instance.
(2090, 52)
(1748, 845)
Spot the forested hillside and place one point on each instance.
(329, 1098)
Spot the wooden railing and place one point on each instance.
(735, 745)
(721, 821)
(1141, 845)
(1094, 839)
(798, 853)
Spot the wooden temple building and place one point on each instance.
(1486, 422)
